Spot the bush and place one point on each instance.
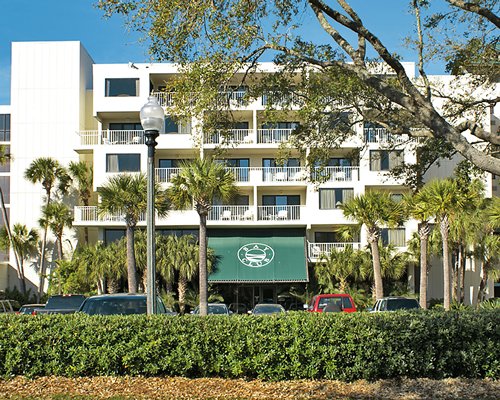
(294, 346)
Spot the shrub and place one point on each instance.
(293, 346)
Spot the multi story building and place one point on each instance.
(67, 107)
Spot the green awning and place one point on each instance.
(258, 258)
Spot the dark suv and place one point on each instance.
(394, 303)
(121, 304)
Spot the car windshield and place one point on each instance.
(217, 309)
(267, 309)
(65, 302)
(401, 304)
(113, 306)
(324, 301)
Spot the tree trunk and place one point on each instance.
(203, 275)
(461, 281)
(131, 270)
(484, 278)
(455, 274)
(182, 294)
(19, 263)
(377, 270)
(444, 227)
(423, 232)
(112, 286)
(42, 264)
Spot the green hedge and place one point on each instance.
(294, 346)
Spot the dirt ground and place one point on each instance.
(182, 388)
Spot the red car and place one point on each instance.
(331, 303)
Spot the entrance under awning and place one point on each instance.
(259, 256)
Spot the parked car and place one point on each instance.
(342, 301)
(394, 303)
(266, 309)
(29, 309)
(61, 304)
(214, 309)
(121, 304)
(8, 306)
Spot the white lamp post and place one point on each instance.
(152, 120)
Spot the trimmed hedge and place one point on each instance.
(294, 346)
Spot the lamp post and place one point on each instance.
(152, 119)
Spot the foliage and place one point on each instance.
(350, 71)
(297, 345)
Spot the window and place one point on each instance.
(281, 200)
(331, 199)
(123, 162)
(395, 237)
(171, 126)
(6, 167)
(385, 160)
(122, 87)
(4, 254)
(113, 235)
(241, 168)
(5, 185)
(4, 127)
(125, 126)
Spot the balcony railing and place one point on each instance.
(230, 213)
(283, 174)
(323, 250)
(164, 175)
(337, 174)
(278, 213)
(90, 214)
(273, 135)
(231, 136)
(89, 138)
(380, 135)
(165, 99)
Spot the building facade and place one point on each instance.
(65, 106)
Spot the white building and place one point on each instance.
(66, 107)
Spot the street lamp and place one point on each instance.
(152, 119)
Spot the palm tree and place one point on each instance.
(82, 176)
(374, 209)
(57, 216)
(444, 201)
(339, 268)
(201, 182)
(417, 207)
(126, 195)
(24, 243)
(48, 172)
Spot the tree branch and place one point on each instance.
(475, 8)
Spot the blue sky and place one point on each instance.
(108, 41)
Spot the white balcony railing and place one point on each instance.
(337, 174)
(273, 135)
(380, 135)
(230, 213)
(89, 138)
(283, 174)
(165, 99)
(231, 136)
(90, 214)
(323, 250)
(278, 213)
(164, 175)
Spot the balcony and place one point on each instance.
(231, 136)
(318, 251)
(86, 214)
(381, 136)
(93, 138)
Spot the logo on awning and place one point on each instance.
(255, 255)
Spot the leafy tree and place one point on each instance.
(51, 175)
(374, 210)
(82, 177)
(24, 243)
(57, 216)
(201, 182)
(445, 202)
(212, 41)
(125, 195)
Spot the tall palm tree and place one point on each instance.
(201, 182)
(24, 243)
(57, 216)
(444, 201)
(49, 173)
(417, 207)
(126, 195)
(82, 176)
(374, 209)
